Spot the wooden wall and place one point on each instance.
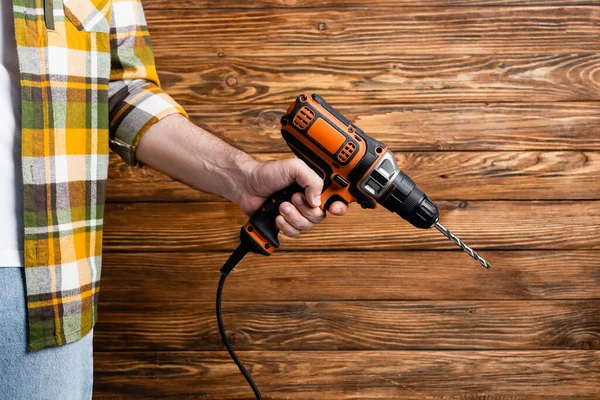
(492, 106)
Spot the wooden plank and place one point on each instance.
(448, 175)
(572, 126)
(237, 4)
(302, 326)
(407, 375)
(321, 276)
(484, 225)
(361, 80)
(501, 30)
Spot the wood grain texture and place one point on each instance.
(492, 106)
(351, 325)
(366, 80)
(501, 30)
(492, 127)
(442, 175)
(334, 375)
(323, 276)
(237, 4)
(483, 225)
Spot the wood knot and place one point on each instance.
(322, 26)
(443, 145)
(231, 81)
(271, 119)
(268, 120)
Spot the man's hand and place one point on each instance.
(177, 147)
(266, 178)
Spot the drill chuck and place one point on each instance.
(394, 190)
(408, 201)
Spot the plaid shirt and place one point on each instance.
(88, 82)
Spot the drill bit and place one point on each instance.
(463, 246)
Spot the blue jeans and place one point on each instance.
(58, 373)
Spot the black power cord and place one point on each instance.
(231, 262)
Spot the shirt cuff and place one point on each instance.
(134, 109)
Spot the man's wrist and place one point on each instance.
(242, 176)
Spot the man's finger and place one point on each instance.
(309, 180)
(313, 214)
(338, 208)
(294, 217)
(285, 227)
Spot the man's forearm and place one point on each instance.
(177, 147)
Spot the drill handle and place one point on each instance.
(261, 227)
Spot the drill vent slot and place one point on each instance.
(304, 117)
(346, 152)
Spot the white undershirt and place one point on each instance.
(11, 184)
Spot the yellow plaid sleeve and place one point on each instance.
(135, 98)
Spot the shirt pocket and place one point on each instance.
(89, 15)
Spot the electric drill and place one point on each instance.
(354, 168)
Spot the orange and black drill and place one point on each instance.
(354, 168)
